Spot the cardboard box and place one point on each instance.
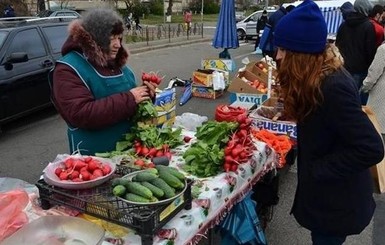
(165, 105)
(206, 92)
(261, 69)
(278, 127)
(255, 99)
(218, 64)
(237, 85)
(205, 77)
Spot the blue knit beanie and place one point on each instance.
(303, 30)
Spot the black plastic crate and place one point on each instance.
(100, 202)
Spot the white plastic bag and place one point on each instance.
(189, 121)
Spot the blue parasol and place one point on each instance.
(226, 32)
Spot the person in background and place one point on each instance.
(267, 46)
(260, 26)
(93, 89)
(375, 17)
(137, 22)
(337, 143)
(356, 40)
(374, 85)
(9, 11)
(346, 8)
(187, 20)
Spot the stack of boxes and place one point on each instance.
(203, 79)
(247, 91)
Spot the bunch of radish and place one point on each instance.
(151, 77)
(82, 169)
(151, 152)
(240, 147)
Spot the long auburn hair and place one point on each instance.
(300, 77)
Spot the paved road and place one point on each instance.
(26, 145)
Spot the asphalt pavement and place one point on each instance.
(282, 229)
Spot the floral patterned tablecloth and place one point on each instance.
(214, 198)
(217, 195)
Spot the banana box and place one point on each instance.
(165, 104)
(218, 64)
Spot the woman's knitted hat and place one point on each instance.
(302, 30)
(101, 24)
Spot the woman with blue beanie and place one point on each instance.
(337, 143)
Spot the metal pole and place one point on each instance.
(266, 4)
(164, 11)
(202, 11)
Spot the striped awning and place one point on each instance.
(333, 18)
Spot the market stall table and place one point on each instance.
(214, 198)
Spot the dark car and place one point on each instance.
(58, 13)
(28, 51)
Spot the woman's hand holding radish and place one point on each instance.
(141, 93)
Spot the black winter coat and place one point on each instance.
(337, 144)
(356, 40)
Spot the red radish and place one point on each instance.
(85, 175)
(87, 159)
(234, 167)
(187, 139)
(106, 169)
(152, 152)
(63, 176)
(235, 152)
(168, 155)
(58, 171)
(227, 167)
(139, 162)
(144, 151)
(159, 153)
(98, 173)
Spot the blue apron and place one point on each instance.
(89, 141)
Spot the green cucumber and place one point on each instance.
(156, 191)
(170, 179)
(138, 189)
(144, 176)
(135, 198)
(172, 171)
(168, 190)
(119, 190)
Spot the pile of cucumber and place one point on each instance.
(150, 185)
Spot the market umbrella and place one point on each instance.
(226, 32)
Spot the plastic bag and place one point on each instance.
(189, 121)
(13, 217)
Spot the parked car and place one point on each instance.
(250, 21)
(239, 15)
(58, 13)
(28, 51)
